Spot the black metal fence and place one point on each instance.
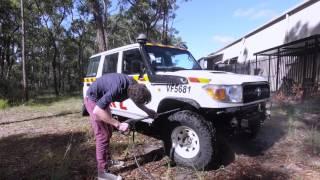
(289, 68)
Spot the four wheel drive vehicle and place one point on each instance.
(209, 101)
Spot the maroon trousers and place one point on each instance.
(103, 133)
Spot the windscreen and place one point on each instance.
(93, 66)
(171, 59)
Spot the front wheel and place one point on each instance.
(190, 140)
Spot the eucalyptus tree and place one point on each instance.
(82, 34)
(155, 18)
(53, 14)
(99, 10)
(9, 31)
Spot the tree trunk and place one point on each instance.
(101, 36)
(7, 57)
(165, 22)
(47, 80)
(1, 63)
(166, 40)
(69, 79)
(54, 69)
(80, 62)
(101, 32)
(24, 75)
(62, 80)
(59, 74)
(10, 61)
(47, 67)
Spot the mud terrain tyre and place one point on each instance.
(190, 140)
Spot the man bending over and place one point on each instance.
(106, 89)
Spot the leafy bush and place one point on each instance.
(10, 90)
(3, 104)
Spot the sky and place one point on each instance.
(208, 25)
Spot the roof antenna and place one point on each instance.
(142, 39)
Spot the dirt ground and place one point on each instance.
(49, 139)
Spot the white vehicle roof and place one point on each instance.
(130, 46)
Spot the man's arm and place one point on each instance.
(102, 104)
(105, 116)
(151, 113)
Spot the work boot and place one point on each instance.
(115, 163)
(104, 175)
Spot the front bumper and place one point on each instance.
(242, 112)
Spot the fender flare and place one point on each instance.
(176, 102)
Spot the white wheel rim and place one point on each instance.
(185, 142)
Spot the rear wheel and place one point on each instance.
(190, 140)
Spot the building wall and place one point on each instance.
(303, 21)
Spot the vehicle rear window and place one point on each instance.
(110, 63)
(93, 66)
(132, 62)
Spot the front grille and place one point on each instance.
(255, 91)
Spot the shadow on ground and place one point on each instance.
(271, 132)
(40, 118)
(49, 156)
(64, 156)
(259, 172)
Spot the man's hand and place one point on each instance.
(105, 116)
(152, 114)
(123, 127)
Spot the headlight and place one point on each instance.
(224, 93)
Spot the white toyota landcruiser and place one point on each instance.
(208, 101)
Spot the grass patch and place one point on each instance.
(291, 114)
(44, 99)
(47, 156)
(58, 105)
(119, 148)
(313, 140)
(168, 173)
(3, 104)
(303, 118)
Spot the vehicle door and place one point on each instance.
(132, 65)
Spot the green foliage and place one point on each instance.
(10, 90)
(61, 36)
(3, 104)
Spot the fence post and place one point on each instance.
(305, 58)
(315, 57)
(278, 64)
(256, 70)
(269, 69)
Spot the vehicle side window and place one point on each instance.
(110, 63)
(132, 62)
(93, 66)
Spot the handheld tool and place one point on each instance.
(132, 122)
